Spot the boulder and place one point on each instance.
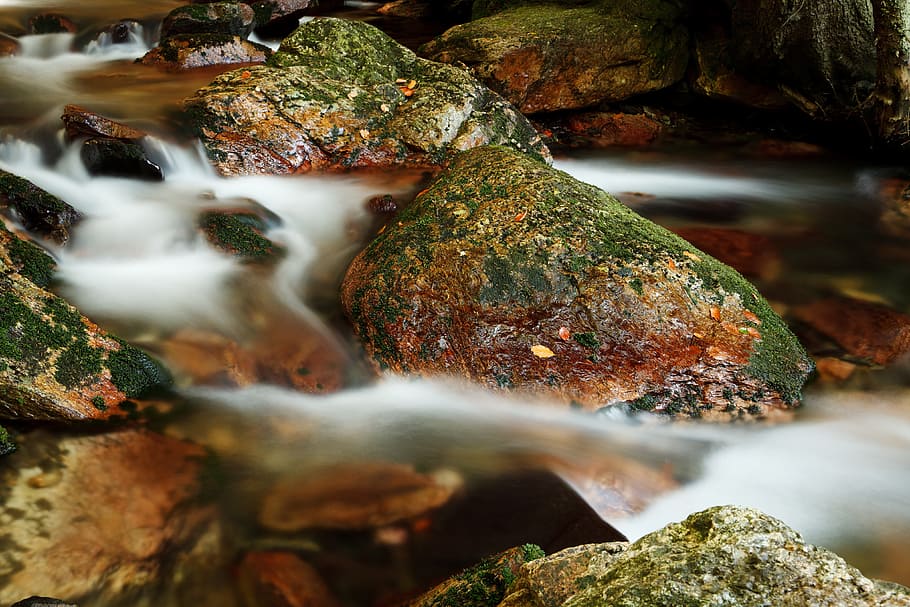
(722, 556)
(240, 233)
(821, 57)
(341, 94)
(614, 129)
(231, 18)
(79, 122)
(516, 275)
(189, 51)
(278, 18)
(281, 579)
(37, 210)
(116, 158)
(549, 57)
(99, 515)
(55, 363)
(50, 23)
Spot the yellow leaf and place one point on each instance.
(542, 351)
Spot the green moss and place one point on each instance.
(98, 403)
(588, 340)
(239, 234)
(644, 403)
(532, 552)
(637, 286)
(6, 444)
(134, 372)
(31, 261)
(78, 363)
(483, 585)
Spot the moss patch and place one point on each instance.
(29, 259)
(239, 234)
(6, 444)
(134, 372)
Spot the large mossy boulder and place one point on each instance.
(233, 18)
(54, 363)
(552, 57)
(341, 94)
(514, 274)
(722, 556)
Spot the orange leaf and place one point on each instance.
(715, 313)
(520, 216)
(564, 333)
(751, 317)
(671, 264)
(542, 351)
(245, 74)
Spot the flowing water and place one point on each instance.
(137, 265)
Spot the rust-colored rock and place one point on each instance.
(483, 274)
(189, 51)
(606, 129)
(865, 329)
(752, 255)
(50, 23)
(81, 122)
(833, 369)
(549, 57)
(352, 496)
(281, 579)
(97, 515)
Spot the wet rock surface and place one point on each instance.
(753, 255)
(549, 57)
(282, 579)
(515, 275)
(341, 94)
(80, 122)
(233, 18)
(189, 51)
(115, 158)
(96, 515)
(240, 233)
(55, 363)
(50, 23)
(37, 210)
(723, 555)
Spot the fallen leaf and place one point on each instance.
(365, 133)
(384, 107)
(520, 216)
(564, 333)
(542, 351)
(751, 317)
(691, 256)
(412, 84)
(400, 81)
(715, 313)
(245, 74)
(353, 94)
(406, 91)
(753, 332)
(671, 264)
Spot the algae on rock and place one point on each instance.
(516, 275)
(341, 94)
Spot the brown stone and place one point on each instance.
(865, 329)
(352, 496)
(8, 46)
(97, 515)
(895, 216)
(751, 254)
(49, 23)
(607, 129)
(281, 579)
(192, 51)
(81, 122)
(833, 369)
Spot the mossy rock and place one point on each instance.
(725, 555)
(240, 233)
(516, 275)
(6, 444)
(483, 585)
(549, 57)
(190, 51)
(25, 258)
(37, 210)
(231, 18)
(341, 94)
(116, 158)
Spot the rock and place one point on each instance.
(277, 18)
(865, 329)
(355, 496)
(49, 23)
(230, 18)
(35, 209)
(609, 129)
(750, 254)
(43, 601)
(895, 217)
(822, 59)
(99, 515)
(7, 446)
(116, 158)
(549, 58)
(833, 369)
(484, 584)
(330, 99)
(515, 275)
(717, 78)
(55, 363)
(79, 122)
(8, 46)
(189, 51)
(452, 11)
(240, 233)
(725, 555)
(281, 579)
(485, 8)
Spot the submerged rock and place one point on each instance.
(232, 18)
(515, 275)
(281, 579)
(50, 23)
(115, 158)
(189, 51)
(483, 585)
(55, 363)
(725, 555)
(240, 233)
(341, 94)
(752, 255)
(37, 210)
(100, 515)
(548, 57)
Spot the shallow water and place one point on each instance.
(138, 266)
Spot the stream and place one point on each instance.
(137, 266)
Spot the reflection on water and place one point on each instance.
(137, 263)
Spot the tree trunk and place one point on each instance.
(892, 98)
